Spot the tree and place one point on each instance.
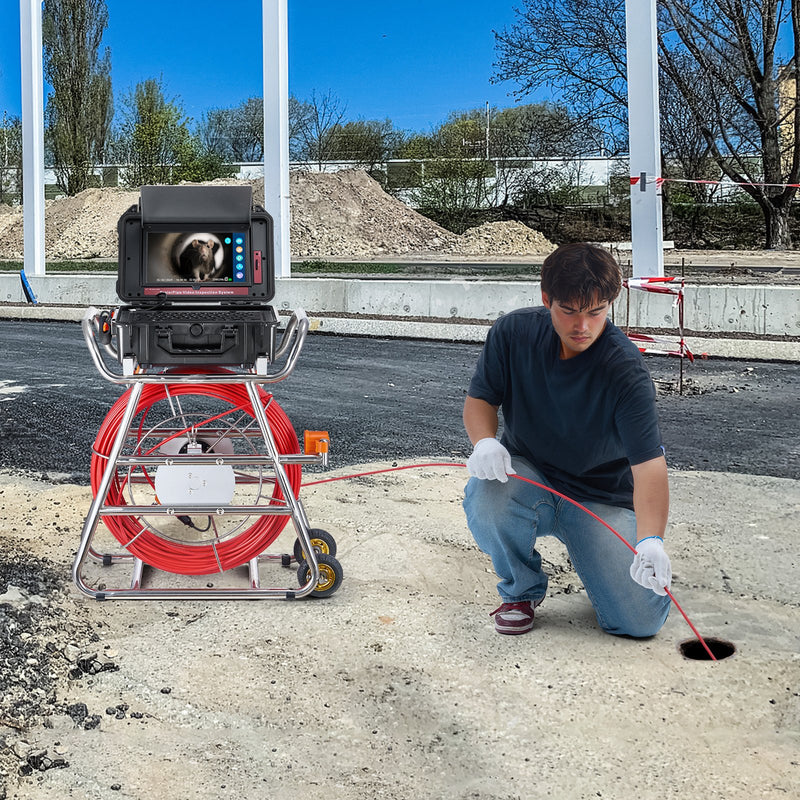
(10, 159)
(194, 162)
(299, 115)
(314, 127)
(540, 130)
(733, 95)
(577, 47)
(685, 152)
(156, 143)
(153, 131)
(721, 56)
(503, 151)
(523, 143)
(236, 134)
(452, 169)
(79, 109)
(369, 143)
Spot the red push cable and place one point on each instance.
(546, 488)
(238, 550)
(172, 556)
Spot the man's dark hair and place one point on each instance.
(581, 274)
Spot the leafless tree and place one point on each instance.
(299, 121)
(10, 158)
(322, 114)
(733, 96)
(235, 134)
(685, 152)
(576, 47)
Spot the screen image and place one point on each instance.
(212, 257)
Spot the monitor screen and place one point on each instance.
(219, 258)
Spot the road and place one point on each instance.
(386, 399)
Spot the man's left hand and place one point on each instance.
(651, 567)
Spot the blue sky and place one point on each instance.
(411, 62)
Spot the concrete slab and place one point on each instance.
(769, 311)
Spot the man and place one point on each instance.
(579, 416)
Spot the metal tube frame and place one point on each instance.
(290, 346)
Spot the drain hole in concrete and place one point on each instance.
(694, 650)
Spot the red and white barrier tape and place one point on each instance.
(658, 181)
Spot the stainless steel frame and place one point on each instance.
(289, 348)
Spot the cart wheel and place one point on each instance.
(321, 541)
(330, 575)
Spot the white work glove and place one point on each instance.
(490, 461)
(651, 567)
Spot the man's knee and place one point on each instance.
(482, 498)
(641, 626)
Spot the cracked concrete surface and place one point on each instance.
(397, 685)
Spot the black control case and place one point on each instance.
(196, 337)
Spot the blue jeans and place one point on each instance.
(507, 518)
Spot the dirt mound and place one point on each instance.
(504, 239)
(79, 227)
(348, 214)
(85, 226)
(344, 214)
(11, 233)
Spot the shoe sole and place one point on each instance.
(513, 631)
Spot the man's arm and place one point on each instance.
(480, 419)
(489, 459)
(651, 497)
(651, 567)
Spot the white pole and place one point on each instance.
(645, 138)
(30, 32)
(487, 130)
(276, 128)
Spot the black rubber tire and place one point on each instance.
(330, 575)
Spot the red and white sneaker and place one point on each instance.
(514, 618)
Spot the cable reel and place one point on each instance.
(183, 420)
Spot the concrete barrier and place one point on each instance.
(461, 310)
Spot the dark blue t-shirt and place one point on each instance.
(580, 421)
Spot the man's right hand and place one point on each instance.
(490, 461)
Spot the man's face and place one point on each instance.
(578, 328)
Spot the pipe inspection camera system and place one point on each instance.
(196, 469)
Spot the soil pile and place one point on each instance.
(79, 227)
(504, 239)
(344, 214)
(348, 214)
(11, 232)
(85, 226)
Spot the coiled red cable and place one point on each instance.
(170, 555)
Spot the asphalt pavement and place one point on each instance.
(385, 399)
(422, 698)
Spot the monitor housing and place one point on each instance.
(195, 244)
